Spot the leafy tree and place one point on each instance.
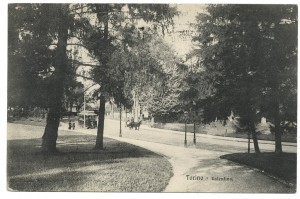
(40, 36)
(194, 96)
(235, 52)
(73, 94)
(39, 61)
(164, 103)
(279, 50)
(29, 58)
(60, 64)
(109, 35)
(227, 60)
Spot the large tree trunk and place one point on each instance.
(254, 137)
(100, 130)
(51, 131)
(60, 63)
(278, 145)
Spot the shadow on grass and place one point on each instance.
(282, 166)
(219, 147)
(119, 167)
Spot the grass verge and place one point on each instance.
(217, 129)
(121, 167)
(282, 166)
(30, 121)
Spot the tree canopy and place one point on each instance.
(248, 53)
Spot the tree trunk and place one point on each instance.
(60, 63)
(278, 145)
(112, 110)
(71, 105)
(100, 130)
(254, 137)
(120, 134)
(248, 142)
(51, 131)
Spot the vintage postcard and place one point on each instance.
(148, 97)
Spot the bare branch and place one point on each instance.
(76, 44)
(85, 63)
(90, 86)
(88, 78)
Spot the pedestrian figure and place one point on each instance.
(88, 123)
(127, 122)
(70, 125)
(73, 125)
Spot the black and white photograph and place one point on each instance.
(134, 97)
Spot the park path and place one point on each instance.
(198, 170)
(206, 166)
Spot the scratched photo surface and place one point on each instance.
(137, 98)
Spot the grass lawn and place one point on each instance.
(30, 121)
(217, 129)
(282, 166)
(121, 167)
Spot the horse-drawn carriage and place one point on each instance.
(132, 124)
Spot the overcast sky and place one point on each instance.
(188, 12)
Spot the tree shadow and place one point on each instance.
(282, 166)
(240, 176)
(25, 156)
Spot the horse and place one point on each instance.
(128, 124)
(135, 125)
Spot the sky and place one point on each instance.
(188, 12)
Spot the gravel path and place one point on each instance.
(196, 169)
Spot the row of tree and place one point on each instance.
(42, 66)
(247, 64)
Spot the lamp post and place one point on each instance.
(84, 111)
(120, 134)
(248, 142)
(185, 117)
(194, 133)
(194, 119)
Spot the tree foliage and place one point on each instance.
(248, 53)
(39, 66)
(29, 56)
(114, 34)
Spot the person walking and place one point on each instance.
(73, 125)
(70, 125)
